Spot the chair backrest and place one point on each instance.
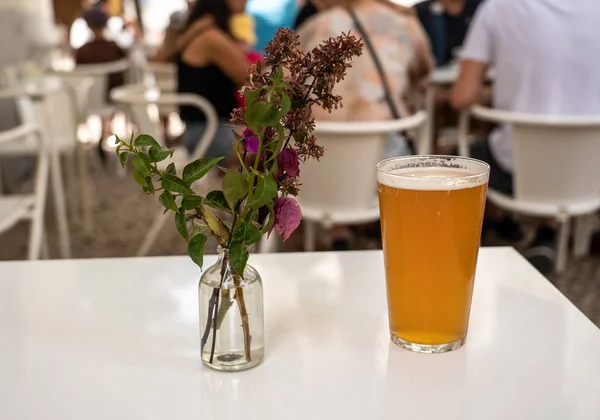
(96, 100)
(344, 180)
(24, 135)
(161, 75)
(135, 100)
(555, 157)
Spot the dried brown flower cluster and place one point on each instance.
(310, 78)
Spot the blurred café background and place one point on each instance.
(73, 74)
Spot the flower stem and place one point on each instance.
(239, 297)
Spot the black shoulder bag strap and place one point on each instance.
(384, 80)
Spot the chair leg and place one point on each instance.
(37, 217)
(310, 232)
(60, 205)
(584, 226)
(563, 244)
(71, 178)
(45, 251)
(152, 235)
(428, 144)
(84, 191)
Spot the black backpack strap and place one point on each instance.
(384, 80)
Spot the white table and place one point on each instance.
(118, 339)
(443, 77)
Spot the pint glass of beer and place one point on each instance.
(431, 216)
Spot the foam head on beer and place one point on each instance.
(431, 216)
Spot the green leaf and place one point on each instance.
(198, 168)
(216, 200)
(123, 158)
(175, 184)
(246, 233)
(251, 96)
(145, 140)
(171, 169)
(140, 164)
(118, 140)
(285, 85)
(235, 187)
(238, 256)
(190, 202)
(197, 227)
(149, 188)
(286, 104)
(266, 191)
(158, 154)
(261, 115)
(167, 200)
(196, 249)
(278, 76)
(180, 225)
(139, 178)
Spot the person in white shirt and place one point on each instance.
(546, 60)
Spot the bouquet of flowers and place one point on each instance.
(273, 137)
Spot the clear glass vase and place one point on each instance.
(231, 316)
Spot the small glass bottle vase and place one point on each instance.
(231, 316)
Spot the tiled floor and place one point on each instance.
(122, 216)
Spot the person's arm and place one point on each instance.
(467, 89)
(168, 48)
(475, 57)
(226, 54)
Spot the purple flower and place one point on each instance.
(287, 216)
(251, 141)
(288, 163)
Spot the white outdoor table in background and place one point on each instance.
(443, 77)
(118, 339)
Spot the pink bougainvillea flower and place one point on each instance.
(287, 216)
(288, 162)
(251, 141)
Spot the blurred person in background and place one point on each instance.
(446, 23)
(211, 63)
(99, 49)
(176, 28)
(311, 8)
(546, 60)
(400, 45)
(270, 15)
(373, 92)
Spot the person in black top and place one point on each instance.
(210, 63)
(446, 23)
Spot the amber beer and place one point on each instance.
(431, 216)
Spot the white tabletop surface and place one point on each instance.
(118, 339)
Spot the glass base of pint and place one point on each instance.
(428, 348)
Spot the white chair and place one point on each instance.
(92, 100)
(341, 188)
(14, 208)
(135, 101)
(556, 171)
(162, 76)
(32, 106)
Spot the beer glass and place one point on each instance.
(431, 216)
